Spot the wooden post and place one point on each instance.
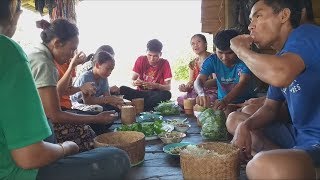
(229, 16)
(316, 10)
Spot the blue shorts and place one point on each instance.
(283, 135)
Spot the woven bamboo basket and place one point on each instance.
(130, 141)
(226, 165)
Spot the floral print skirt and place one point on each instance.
(81, 134)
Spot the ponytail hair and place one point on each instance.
(59, 28)
(90, 57)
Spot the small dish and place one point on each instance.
(182, 127)
(171, 137)
(175, 148)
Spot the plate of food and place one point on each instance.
(149, 129)
(150, 113)
(149, 117)
(177, 121)
(175, 148)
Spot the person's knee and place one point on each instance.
(180, 100)
(281, 164)
(111, 151)
(119, 158)
(250, 109)
(232, 122)
(257, 165)
(166, 95)
(123, 89)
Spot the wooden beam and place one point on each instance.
(212, 15)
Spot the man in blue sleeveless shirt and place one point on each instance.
(294, 76)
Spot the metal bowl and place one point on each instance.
(171, 137)
(182, 127)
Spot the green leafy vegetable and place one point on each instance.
(213, 125)
(148, 129)
(208, 113)
(168, 108)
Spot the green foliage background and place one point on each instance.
(181, 67)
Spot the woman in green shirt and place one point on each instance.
(23, 153)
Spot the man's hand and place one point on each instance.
(114, 101)
(114, 90)
(220, 105)
(69, 148)
(182, 88)
(242, 139)
(186, 87)
(150, 85)
(203, 101)
(241, 43)
(88, 88)
(189, 85)
(78, 58)
(137, 82)
(107, 117)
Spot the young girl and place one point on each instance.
(102, 68)
(199, 47)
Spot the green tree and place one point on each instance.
(181, 67)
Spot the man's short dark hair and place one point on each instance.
(222, 39)
(154, 45)
(295, 7)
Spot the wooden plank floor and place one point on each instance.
(158, 165)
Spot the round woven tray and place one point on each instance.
(130, 141)
(211, 166)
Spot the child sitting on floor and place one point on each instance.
(103, 66)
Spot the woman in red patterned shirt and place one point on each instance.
(199, 46)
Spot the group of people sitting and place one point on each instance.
(54, 123)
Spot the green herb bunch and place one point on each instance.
(148, 129)
(167, 108)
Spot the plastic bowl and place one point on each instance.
(171, 137)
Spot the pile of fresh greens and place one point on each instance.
(168, 108)
(213, 125)
(148, 129)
